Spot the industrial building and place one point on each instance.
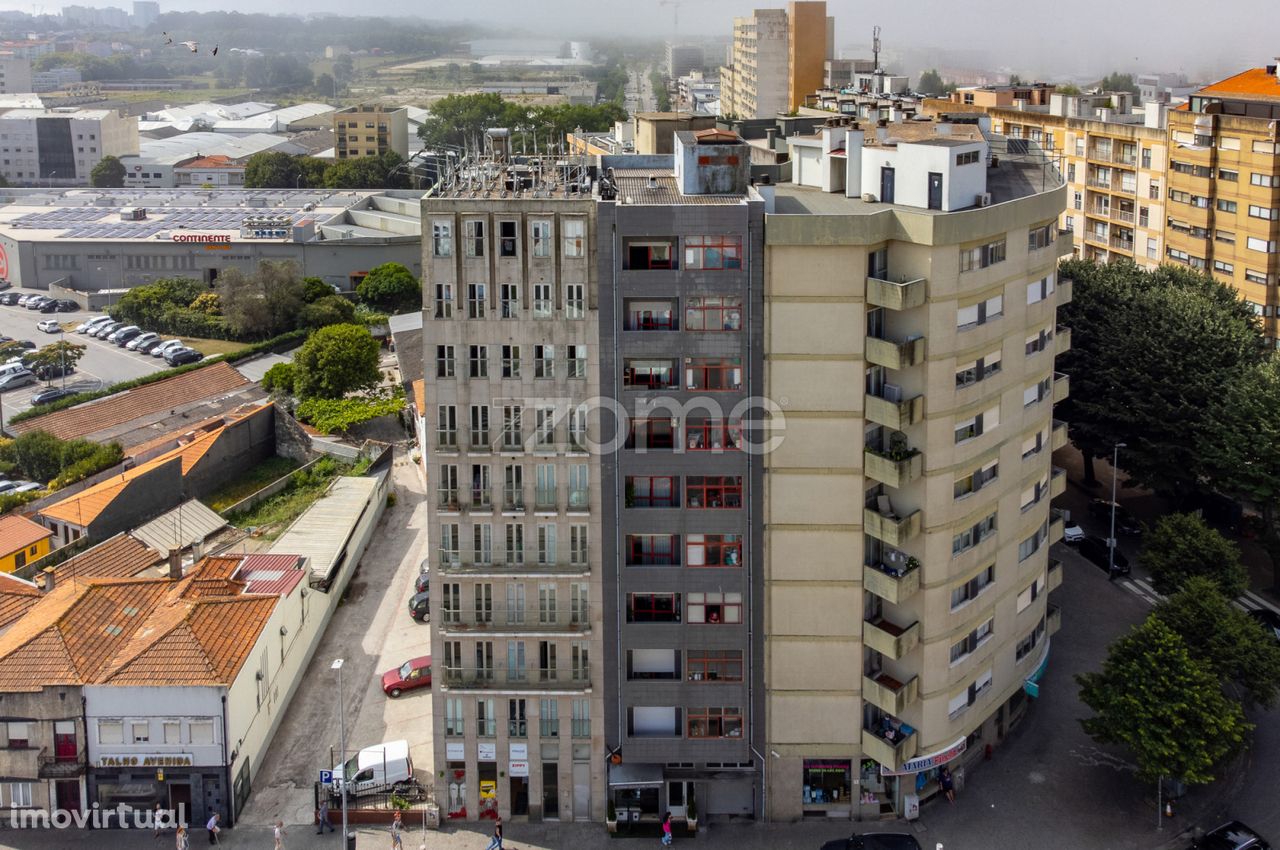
(61, 146)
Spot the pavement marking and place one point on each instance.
(1257, 602)
(1136, 590)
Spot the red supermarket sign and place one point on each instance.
(218, 238)
(4, 263)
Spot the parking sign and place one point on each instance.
(326, 777)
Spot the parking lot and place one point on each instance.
(102, 365)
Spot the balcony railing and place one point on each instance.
(890, 753)
(893, 354)
(51, 766)
(892, 469)
(890, 528)
(890, 639)
(1055, 574)
(1061, 387)
(1057, 523)
(447, 499)
(1061, 340)
(481, 499)
(892, 583)
(1059, 436)
(500, 619)
(888, 694)
(1122, 244)
(579, 501)
(1122, 215)
(1057, 482)
(513, 501)
(897, 415)
(544, 500)
(491, 567)
(500, 678)
(895, 295)
(1053, 620)
(1065, 285)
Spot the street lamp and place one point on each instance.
(342, 746)
(1111, 541)
(52, 174)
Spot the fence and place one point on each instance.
(415, 801)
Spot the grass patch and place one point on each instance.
(210, 347)
(252, 481)
(272, 516)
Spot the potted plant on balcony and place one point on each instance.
(611, 818)
(691, 814)
(912, 563)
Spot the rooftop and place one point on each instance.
(173, 149)
(1253, 84)
(642, 186)
(16, 598)
(186, 525)
(117, 557)
(18, 532)
(271, 574)
(216, 161)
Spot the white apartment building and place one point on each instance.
(61, 146)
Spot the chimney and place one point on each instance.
(175, 564)
(770, 136)
(653, 182)
(48, 580)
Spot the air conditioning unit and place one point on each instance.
(983, 200)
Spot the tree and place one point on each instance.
(38, 454)
(336, 360)
(1161, 704)
(314, 288)
(931, 82)
(339, 415)
(330, 310)
(391, 286)
(58, 354)
(1115, 81)
(1015, 80)
(280, 378)
(1182, 546)
(1227, 640)
(108, 173)
(271, 170)
(1067, 88)
(325, 85)
(263, 304)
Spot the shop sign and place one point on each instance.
(928, 762)
(453, 752)
(487, 752)
(519, 760)
(147, 760)
(217, 238)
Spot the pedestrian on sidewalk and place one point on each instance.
(213, 828)
(666, 830)
(278, 834)
(183, 841)
(947, 783)
(397, 832)
(322, 817)
(496, 843)
(157, 821)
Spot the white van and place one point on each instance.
(377, 768)
(13, 367)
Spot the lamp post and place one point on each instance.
(52, 174)
(62, 348)
(342, 746)
(1111, 541)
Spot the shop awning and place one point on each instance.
(635, 776)
(932, 760)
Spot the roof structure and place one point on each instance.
(186, 525)
(121, 556)
(205, 163)
(320, 534)
(271, 574)
(18, 532)
(16, 598)
(1253, 84)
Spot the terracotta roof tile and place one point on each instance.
(18, 532)
(114, 410)
(1254, 83)
(16, 598)
(119, 556)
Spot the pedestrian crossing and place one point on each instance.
(1142, 588)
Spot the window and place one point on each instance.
(649, 374)
(974, 481)
(714, 722)
(447, 426)
(1223, 268)
(713, 491)
(1269, 180)
(574, 236)
(644, 491)
(578, 429)
(1033, 494)
(1041, 237)
(1146, 158)
(442, 239)
(201, 731)
(574, 302)
(1032, 544)
(1144, 216)
(542, 307)
(653, 550)
(714, 665)
(713, 313)
(17, 795)
(509, 301)
(444, 361)
(976, 426)
(1224, 174)
(713, 550)
(1255, 277)
(653, 607)
(1268, 213)
(478, 361)
(1191, 168)
(449, 543)
(1039, 342)
(1077, 201)
(515, 541)
(649, 254)
(646, 315)
(713, 374)
(1225, 236)
(715, 608)
(578, 545)
(453, 724)
(978, 370)
(1256, 244)
(980, 313)
(541, 238)
(649, 434)
(140, 732)
(1226, 206)
(581, 723)
(1037, 391)
(1031, 593)
(506, 239)
(1038, 290)
(577, 361)
(548, 718)
(712, 435)
(982, 256)
(476, 297)
(713, 252)
(971, 589)
(971, 641)
(17, 735)
(971, 537)
(444, 301)
(172, 732)
(968, 157)
(1070, 224)
(474, 238)
(1034, 443)
(544, 361)
(961, 701)
(110, 732)
(512, 436)
(511, 361)
(1153, 190)
(1153, 248)
(486, 720)
(544, 428)
(1028, 643)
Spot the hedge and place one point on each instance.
(282, 341)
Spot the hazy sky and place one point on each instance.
(1202, 40)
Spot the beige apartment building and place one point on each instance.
(910, 319)
(370, 130)
(778, 58)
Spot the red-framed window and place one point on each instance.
(713, 550)
(711, 374)
(647, 491)
(712, 435)
(716, 492)
(653, 607)
(714, 665)
(652, 434)
(653, 550)
(650, 374)
(650, 315)
(651, 254)
(713, 252)
(713, 313)
(715, 609)
(714, 722)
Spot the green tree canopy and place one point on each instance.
(336, 360)
(330, 310)
(280, 378)
(265, 303)
(1115, 81)
(1182, 546)
(314, 289)
(57, 354)
(391, 286)
(271, 170)
(38, 454)
(1227, 640)
(1153, 698)
(108, 173)
(339, 415)
(931, 82)
(461, 119)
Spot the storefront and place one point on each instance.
(168, 780)
(487, 769)
(827, 788)
(455, 783)
(635, 793)
(917, 780)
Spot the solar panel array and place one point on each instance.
(89, 223)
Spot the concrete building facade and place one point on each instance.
(370, 130)
(778, 56)
(683, 59)
(60, 146)
(15, 73)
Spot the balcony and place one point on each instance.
(1122, 244)
(1058, 437)
(891, 583)
(895, 295)
(1057, 482)
(60, 767)
(1065, 286)
(1056, 525)
(888, 694)
(893, 469)
(492, 569)
(1095, 238)
(544, 501)
(892, 754)
(1061, 340)
(890, 639)
(895, 355)
(481, 499)
(1125, 216)
(1053, 620)
(897, 415)
(523, 620)
(499, 678)
(512, 502)
(1055, 574)
(579, 502)
(881, 521)
(447, 500)
(1061, 387)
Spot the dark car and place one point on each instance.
(48, 307)
(1095, 549)
(1125, 522)
(183, 356)
(65, 305)
(53, 370)
(28, 344)
(1269, 620)
(9, 298)
(50, 396)
(420, 607)
(4, 284)
(126, 334)
(875, 841)
(1231, 836)
(147, 346)
(422, 582)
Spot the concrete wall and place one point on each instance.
(142, 499)
(40, 710)
(238, 447)
(913, 163)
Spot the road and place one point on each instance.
(102, 365)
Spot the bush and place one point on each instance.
(391, 286)
(339, 415)
(280, 378)
(336, 360)
(9, 501)
(314, 289)
(82, 459)
(329, 310)
(208, 303)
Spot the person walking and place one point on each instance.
(157, 821)
(183, 841)
(213, 828)
(278, 834)
(947, 784)
(496, 843)
(666, 831)
(397, 832)
(322, 818)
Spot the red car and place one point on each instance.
(414, 673)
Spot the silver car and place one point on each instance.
(13, 380)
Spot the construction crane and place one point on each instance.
(675, 14)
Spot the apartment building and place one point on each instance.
(370, 130)
(777, 57)
(15, 73)
(910, 313)
(61, 146)
(1224, 186)
(512, 346)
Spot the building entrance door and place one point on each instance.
(67, 795)
(935, 190)
(180, 801)
(581, 790)
(886, 185)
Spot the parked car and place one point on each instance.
(1268, 619)
(105, 329)
(51, 395)
(10, 298)
(49, 326)
(378, 768)
(183, 356)
(28, 344)
(1095, 549)
(875, 841)
(1231, 836)
(1125, 522)
(4, 284)
(66, 305)
(6, 486)
(13, 380)
(1072, 533)
(149, 346)
(422, 583)
(38, 301)
(91, 323)
(140, 339)
(119, 333)
(414, 673)
(23, 299)
(49, 306)
(420, 607)
(27, 487)
(53, 370)
(165, 347)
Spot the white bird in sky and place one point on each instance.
(193, 46)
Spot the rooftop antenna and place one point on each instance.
(875, 53)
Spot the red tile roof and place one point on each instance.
(214, 161)
(18, 532)
(16, 598)
(271, 574)
(121, 556)
(1253, 84)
